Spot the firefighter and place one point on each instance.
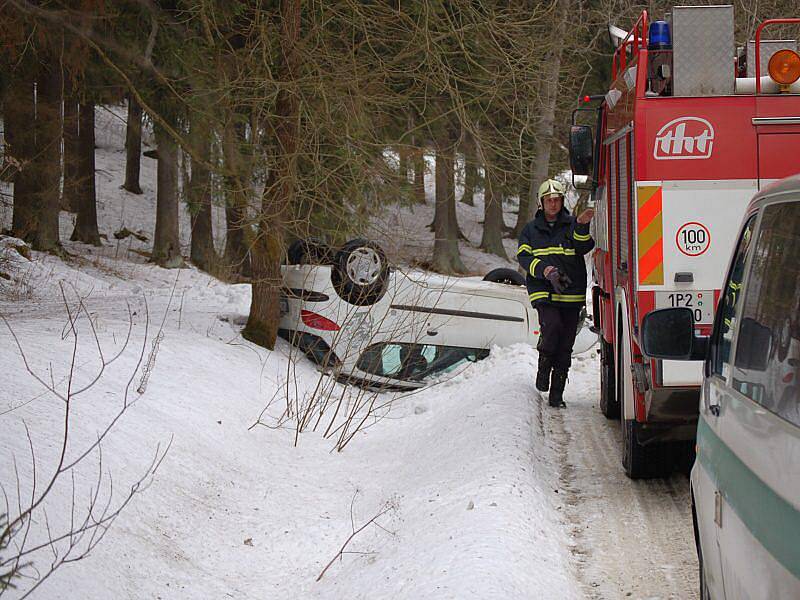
(551, 250)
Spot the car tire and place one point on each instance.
(609, 405)
(309, 251)
(360, 272)
(505, 275)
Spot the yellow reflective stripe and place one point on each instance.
(538, 295)
(581, 238)
(735, 286)
(554, 250)
(568, 297)
(535, 262)
(525, 248)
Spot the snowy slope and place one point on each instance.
(464, 476)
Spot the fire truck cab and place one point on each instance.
(689, 130)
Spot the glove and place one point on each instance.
(556, 277)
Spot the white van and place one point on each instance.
(746, 479)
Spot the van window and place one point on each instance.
(767, 362)
(731, 294)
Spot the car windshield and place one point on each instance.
(415, 361)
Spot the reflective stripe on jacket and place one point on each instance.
(563, 245)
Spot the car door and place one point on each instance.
(706, 475)
(449, 312)
(758, 422)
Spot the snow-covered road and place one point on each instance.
(632, 538)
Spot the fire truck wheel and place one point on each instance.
(608, 398)
(638, 460)
(644, 462)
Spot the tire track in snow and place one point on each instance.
(631, 538)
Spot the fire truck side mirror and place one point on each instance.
(668, 334)
(580, 149)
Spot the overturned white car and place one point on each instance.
(387, 328)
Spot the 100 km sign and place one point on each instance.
(693, 238)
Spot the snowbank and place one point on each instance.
(239, 510)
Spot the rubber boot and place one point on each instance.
(557, 383)
(543, 374)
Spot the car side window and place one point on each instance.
(767, 362)
(731, 295)
(415, 361)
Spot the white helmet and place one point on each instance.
(551, 186)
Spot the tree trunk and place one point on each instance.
(47, 160)
(402, 164)
(262, 323)
(543, 131)
(451, 216)
(446, 256)
(470, 169)
(86, 223)
(419, 176)
(492, 240)
(133, 146)
(418, 160)
(20, 139)
(166, 241)
(523, 193)
(237, 197)
(527, 192)
(199, 197)
(8, 170)
(71, 192)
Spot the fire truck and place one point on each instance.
(689, 129)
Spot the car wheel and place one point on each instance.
(609, 405)
(360, 272)
(505, 275)
(309, 251)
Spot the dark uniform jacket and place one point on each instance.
(563, 245)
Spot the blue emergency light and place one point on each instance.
(659, 36)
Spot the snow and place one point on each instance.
(462, 474)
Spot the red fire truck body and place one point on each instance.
(673, 176)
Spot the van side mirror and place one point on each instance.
(668, 334)
(580, 149)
